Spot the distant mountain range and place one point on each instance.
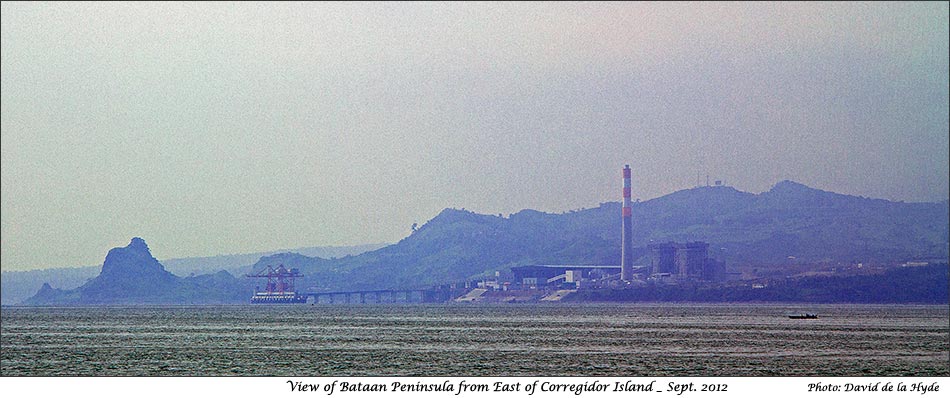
(15, 286)
(791, 221)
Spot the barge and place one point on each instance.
(278, 298)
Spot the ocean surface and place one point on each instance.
(465, 340)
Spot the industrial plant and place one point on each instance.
(670, 263)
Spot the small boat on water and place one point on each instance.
(803, 315)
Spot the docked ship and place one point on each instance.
(278, 298)
(279, 288)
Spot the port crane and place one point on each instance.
(280, 285)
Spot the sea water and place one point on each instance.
(473, 340)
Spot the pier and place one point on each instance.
(384, 296)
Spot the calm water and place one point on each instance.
(512, 340)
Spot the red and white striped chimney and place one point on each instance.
(626, 251)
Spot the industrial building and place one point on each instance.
(534, 276)
(669, 261)
(685, 261)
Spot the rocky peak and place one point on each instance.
(138, 244)
(134, 259)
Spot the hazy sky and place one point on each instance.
(210, 128)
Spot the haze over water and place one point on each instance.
(515, 340)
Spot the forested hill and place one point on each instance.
(790, 220)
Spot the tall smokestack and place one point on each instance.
(626, 251)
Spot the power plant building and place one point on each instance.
(680, 261)
(685, 261)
